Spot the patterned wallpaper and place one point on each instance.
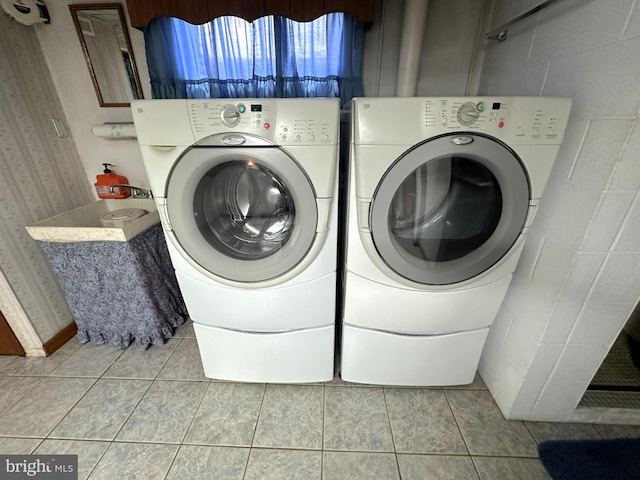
(41, 176)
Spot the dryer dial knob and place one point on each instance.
(468, 114)
(229, 115)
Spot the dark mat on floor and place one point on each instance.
(592, 459)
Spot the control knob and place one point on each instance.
(468, 114)
(229, 115)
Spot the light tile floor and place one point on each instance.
(154, 415)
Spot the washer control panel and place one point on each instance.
(283, 121)
(468, 113)
(230, 114)
(304, 130)
(209, 117)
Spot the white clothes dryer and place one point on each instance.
(441, 194)
(247, 191)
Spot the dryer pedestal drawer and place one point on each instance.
(298, 356)
(382, 358)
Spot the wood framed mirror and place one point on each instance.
(104, 37)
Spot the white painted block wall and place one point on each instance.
(579, 277)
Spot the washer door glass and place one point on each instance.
(243, 214)
(447, 210)
(244, 210)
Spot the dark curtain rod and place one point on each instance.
(500, 33)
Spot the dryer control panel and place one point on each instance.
(516, 119)
(409, 120)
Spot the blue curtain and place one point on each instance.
(270, 57)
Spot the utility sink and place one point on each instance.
(103, 220)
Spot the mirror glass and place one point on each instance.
(104, 37)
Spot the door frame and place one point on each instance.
(19, 321)
(9, 343)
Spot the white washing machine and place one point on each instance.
(247, 193)
(441, 194)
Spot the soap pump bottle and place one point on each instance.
(107, 179)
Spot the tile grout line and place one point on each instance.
(195, 413)
(95, 381)
(464, 440)
(393, 438)
(79, 400)
(186, 431)
(40, 379)
(132, 410)
(255, 429)
(151, 382)
(46, 436)
(93, 469)
(324, 408)
(113, 440)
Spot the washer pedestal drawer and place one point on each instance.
(382, 358)
(298, 356)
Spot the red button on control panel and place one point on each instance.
(500, 124)
(267, 125)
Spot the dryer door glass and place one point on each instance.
(242, 214)
(446, 211)
(244, 210)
